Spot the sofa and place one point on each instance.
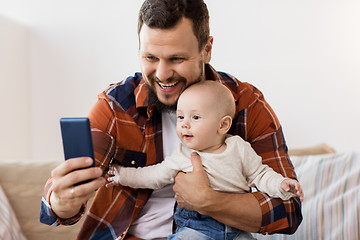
(22, 182)
(331, 206)
(330, 181)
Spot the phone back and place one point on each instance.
(76, 136)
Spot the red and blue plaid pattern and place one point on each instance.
(126, 129)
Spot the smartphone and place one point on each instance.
(77, 140)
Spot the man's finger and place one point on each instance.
(70, 165)
(196, 162)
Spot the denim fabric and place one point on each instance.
(185, 233)
(192, 225)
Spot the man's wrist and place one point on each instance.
(209, 203)
(61, 213)
(239, 210)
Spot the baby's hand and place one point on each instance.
(114, 178)
(293, 186)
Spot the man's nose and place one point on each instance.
(164, 71)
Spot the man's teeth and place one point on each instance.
(170, 85)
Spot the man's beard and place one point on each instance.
(154, 100)
(159, 106)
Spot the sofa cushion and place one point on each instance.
(331, 206)
(23, 183)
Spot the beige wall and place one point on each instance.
(14, 91)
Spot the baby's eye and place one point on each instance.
(196, 117)
(180, 117)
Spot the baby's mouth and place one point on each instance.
(186, 136)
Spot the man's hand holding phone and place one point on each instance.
(67, 199)
(75, 180)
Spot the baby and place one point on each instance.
(204, 116)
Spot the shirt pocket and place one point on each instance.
(129, 158)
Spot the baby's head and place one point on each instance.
(204, 115)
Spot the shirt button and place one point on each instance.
(133, 162)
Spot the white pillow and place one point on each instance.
(9, 225)
(331, 206)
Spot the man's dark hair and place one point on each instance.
(165, 14)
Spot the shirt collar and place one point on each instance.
(211, 74)
(142, 99)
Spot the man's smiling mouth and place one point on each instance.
(169, 85)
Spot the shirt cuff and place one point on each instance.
(271, 221)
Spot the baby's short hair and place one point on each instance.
(222, 96)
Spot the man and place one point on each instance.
(133, 125)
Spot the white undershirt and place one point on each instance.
(155, 220)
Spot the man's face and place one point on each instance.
(170, 60)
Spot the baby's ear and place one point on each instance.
(225, 125)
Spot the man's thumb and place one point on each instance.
(196, 162)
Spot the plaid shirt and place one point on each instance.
(126, 129)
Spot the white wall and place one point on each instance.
(14, 91)
(303, 55)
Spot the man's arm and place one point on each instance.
(241, 211)
(254, 212)
(257, 124)
(64, 204)
(62, 201)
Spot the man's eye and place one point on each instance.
(150, 58)
(177, 59)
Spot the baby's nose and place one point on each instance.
(185, 124)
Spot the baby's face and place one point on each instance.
(198, 121)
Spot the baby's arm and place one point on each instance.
(151, 177)
(266, 179)
(292, 186)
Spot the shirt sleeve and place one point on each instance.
(258, 124)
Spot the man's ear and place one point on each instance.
(208, 49)
(225, 125)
